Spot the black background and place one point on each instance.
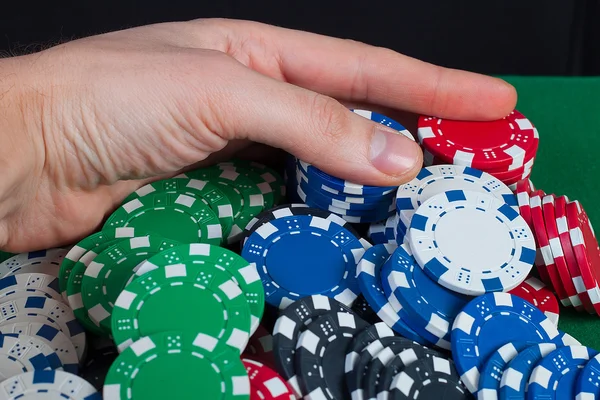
(526, 37)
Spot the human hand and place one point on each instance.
(90, 121)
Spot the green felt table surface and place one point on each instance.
(566, 112)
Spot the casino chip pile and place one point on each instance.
(206, 286)
(504, 148)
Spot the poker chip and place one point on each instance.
(152, 303)
(443, 178)
(286, 270)
(268, 175)
(555, 375)
(535, 292)
(503, 144)
(292, 322)
(204, 191)
(429, 378)
(371, 286)
(362, 308)
(63, 354)
(19, 355)
(47, 385)
(245, 196)
(60, 314)
(195, 361)
(288, 210)
(355, 378)
(175, 216)
(242, 273)
(260, 347)
(515, 377)
(398, 363)
(43, 261)
(320, 354)
(430, 306)
(265, 188)
(491, 373)
(489, 322)
(524, 189)
(359, 344)
(445, 238)
(585, 248)
(587, 384)
(38, 283)
(87, 245)
(107, 274)
(557, 252)
(266, 384)
(560, 208)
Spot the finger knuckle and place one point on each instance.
(329, 117)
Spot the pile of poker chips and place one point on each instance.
(505, 148)
(569, 257)
(354, 203)
(350, 319)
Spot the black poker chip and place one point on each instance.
(321, 353)
(96, 368)
(292, 321)
(398, 363)
(362, 308)
(360, 342)
(429, 378)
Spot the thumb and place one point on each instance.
(321, 131)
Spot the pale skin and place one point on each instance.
(85, 123)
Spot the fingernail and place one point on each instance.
(392, 153)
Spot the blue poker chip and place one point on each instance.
(491, 373)
(389, 271)
(289, 272)
(383, 120)
(515, 377)
(489, 322)
(554, 377)
(432, 307)
(587, 385)
(370, 284)
(376, 233)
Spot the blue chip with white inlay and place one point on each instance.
(300, 255)
(472, 242)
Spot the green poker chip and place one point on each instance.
(265, 189)
(5, 256)
(252, 199)
(243, 273)
(177, 365)
(176, 216)
(90, 243)
(96, 243)
(267, 174)
(106, 276)
(204, 190)
(184, 297)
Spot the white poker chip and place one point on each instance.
(58, 341)
(39, 385)
(442, 178)
(43, 261)
(471, 242)
(19, 354)
(32, 283)
(58, 312)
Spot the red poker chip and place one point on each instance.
(519, 173)
(524, 189)
(560, 209)
(502, 144)
(586, 250)
(260, 347)
(547, 269)
(534, 291)
(265, 383)
(557, 252)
